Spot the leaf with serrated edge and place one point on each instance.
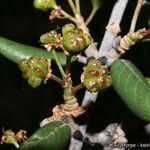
(132, 87)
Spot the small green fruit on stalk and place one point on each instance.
(45, 4)
(34, 69)
(95, 76)
(74, 39)
(51, 37)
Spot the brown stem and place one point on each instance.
(136, 14)
(78, 87)
(68, 63)
(71, 102)
(57, 79)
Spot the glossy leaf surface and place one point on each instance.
(132, 87)
(53, 136)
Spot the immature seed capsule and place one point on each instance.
(51, 37)
(34, 69)
(44, 4)
(95, 76)
(68, 27)
(34, 81)
(74, 39)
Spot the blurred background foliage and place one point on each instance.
(22, 107)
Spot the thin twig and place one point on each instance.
(108, 40)
(68, 64)
(57, 79)
(116, 16)
(106, 48)
(58, 63)
(78, 87)
(107, 43)
(65, 14)
(91, 16)
(136, 14)
(77, 2)
(112, 134)
(72, 6)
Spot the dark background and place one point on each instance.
(22, 107)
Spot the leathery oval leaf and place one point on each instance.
(132, 87)
(53, 136)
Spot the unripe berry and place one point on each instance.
(45, 4)
(34, 81)
(95, 76)
(34, 69)
(51, 37)
(75, 40)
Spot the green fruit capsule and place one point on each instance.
(23, 64)
(74, 40)
(37, 61)
(27, 73)
(51, 37)
(68, 27)
(44, 4)
(42, 62)
(95, 76)
(37, 68)
(34, 81)
(53, 136)
(34, 69)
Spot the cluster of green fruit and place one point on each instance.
(34, 69)
(95, 76)
(73, 39)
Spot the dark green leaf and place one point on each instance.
(53, 136)
(16, 51)
(132, 87)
